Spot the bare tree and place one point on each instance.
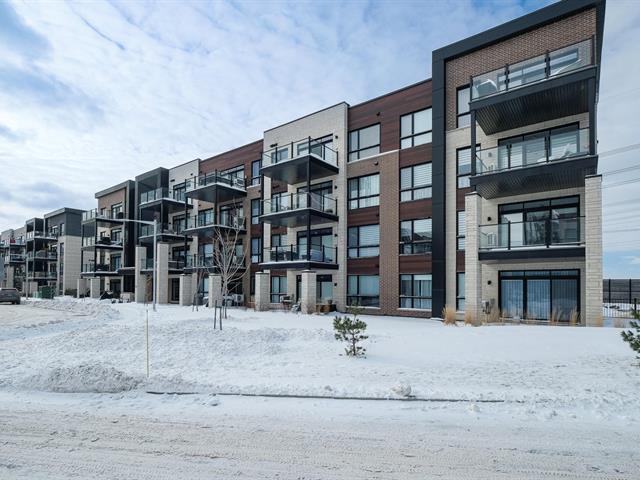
(229, 254)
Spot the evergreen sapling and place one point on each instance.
(351, 330)
(633, 339)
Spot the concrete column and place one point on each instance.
(140, 278)
(592, 310)
(262, 291)
(94, 285)
(32, 288)
(162, 288)
(81, 287)
(186, 292)
(472, 267)
(215, 290)
(10, 273)
(308, 291)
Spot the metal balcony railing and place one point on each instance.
(92, 267)
(102, 215)
(300, 200)
(163, 229)
(211, 220)
(299, 148)
(215, 177)
(159, 194)
(536, 69)
(532, 234)
(559, 145)
(298, 253)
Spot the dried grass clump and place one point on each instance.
(574, 318)
(449, 315)
(470, 319)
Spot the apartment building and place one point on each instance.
(13, 256)
(476, 189)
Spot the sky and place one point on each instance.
(93, 93)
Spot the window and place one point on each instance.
(179, 224)
(363, 290)
(231, 214)
(415, 236)
(460, 291)
(279, 154)
(255, 172)
(205, 217)
(540, 294)
(415, 291)
(235, 173)
(415, 182)
(256, 250)
(179, 191)
(256, 205)
(364, 142)
(317, 147)
(116, 210)
(415, 129)
(321, 248)
(62, 229)
(116, 236)
(463, 159)
(276, 240)
(461, 229)
(462, 107)
(278, 289)
(116, 263)
(364, 241)
(364, 191)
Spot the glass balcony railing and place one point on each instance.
(307, 146)
(532, 234)
(215, 178)
(14, 258)
(559, 145)
(297, 201)
(209, 220)
(161, 193)
(49, 234)
(102, 215)
(102, 241)
(163, 229)
(93, 267)
(41, 275)
(298, 253)
(532, 70)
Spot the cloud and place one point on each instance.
(10, 135)
(15, 34)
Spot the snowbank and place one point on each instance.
(83, 378)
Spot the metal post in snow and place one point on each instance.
(155, 261)
(147, 337)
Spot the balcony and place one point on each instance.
(44, 255)
(296, 257)
(46, 275)
(558, 160)
(174, 265)
(538, 89)
(205, 225)
(106, 217)
(297, 209)
(166, 233)
(42, 235)
(215, 187)
(304, 160)
(97, 269)
(548, 238)
(12, 243)
(103, 242)
(14, 258)
(206, 262)
(164, 198)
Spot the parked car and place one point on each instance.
(10, 295)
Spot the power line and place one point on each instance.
(622, 182)
(621, 170)
(616, 151)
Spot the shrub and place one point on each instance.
(350, 329)
(574, 318)
(71, 291)
(633, 339)
(449, 315)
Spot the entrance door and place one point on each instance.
(174, 295)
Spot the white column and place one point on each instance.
(140, 279)
(262, 291)
(163, 273)
(592, 310)
(215, 290)
(94, 285)
(9, 273)
(308, 291)
(81, 287)
(472, 267)
(186, 294)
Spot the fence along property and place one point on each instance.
(620, 297)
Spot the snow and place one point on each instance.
(90, 346)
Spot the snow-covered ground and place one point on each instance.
(65, 359)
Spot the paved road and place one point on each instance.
(300, 439)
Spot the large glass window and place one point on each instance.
(279, 154)
(255, 172)
(278, 289)
(364, 191)
(540, 294)
(363, 290)
(415, 182)
(415, 129)
(364, 241)
(460, 295)
(317, 147)
(256, 250)
(364, 142)
(235, 173)
(463, 117)
(116, 210)
(461, 229)
(415, 291)
(415, 236)
(321, 249)
(256, 210)
(463, 159)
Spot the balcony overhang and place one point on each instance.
(294, 170)
(103, 246)
(556, 97)
(206, 231)
(553, 175)
(554, 252)
(298, 217)
(298, 265)
(215, 192)
(164, 237)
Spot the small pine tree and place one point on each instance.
(351, 329)
(633, 339)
